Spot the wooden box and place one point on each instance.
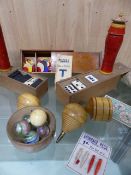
(44, 61)
(104, 84)
(86, 61)
(19, 87)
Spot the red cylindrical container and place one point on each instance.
(4, 59)
(112, 44)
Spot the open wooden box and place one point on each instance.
(39, 89)
(44, 61)
(102, 84)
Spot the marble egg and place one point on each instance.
(38, 117)
(27, 99)
(43, 131)
(31, 138)
(22, 128)
(26, 117)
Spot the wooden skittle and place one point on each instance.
(91, 163)
(98, 166)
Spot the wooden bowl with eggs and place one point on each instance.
(43, 141)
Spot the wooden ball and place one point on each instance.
(27, 99)
(38, 117)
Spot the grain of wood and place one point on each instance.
(81, 25)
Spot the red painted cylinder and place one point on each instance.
(113, 43)
(4, 59)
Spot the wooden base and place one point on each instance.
(106, 73)
(5, 70)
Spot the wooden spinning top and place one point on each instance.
(100, 108)
(73, 116)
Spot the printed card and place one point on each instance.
(121, 111)
(90, 156)
(63, 67)
(91, 78)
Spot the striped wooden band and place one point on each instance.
(94, 107)
(106, 73)
(5, 70)
(111, 109)
(91, 107)
(118, 25)
(99, 109)
(106, 109)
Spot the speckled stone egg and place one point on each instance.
(43, 131)
(22, 128)
(38, 117)
(27, 99)
(31, 138)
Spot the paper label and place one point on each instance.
(91, 78)
(30, 81)
(63, 67)
(121, 111)
(89, 155)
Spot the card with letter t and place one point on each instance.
(63, 67)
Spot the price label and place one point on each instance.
(90, 156)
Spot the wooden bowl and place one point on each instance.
(44, 142)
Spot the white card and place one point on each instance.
(30, 81)
(89, 149)
(91, 78)
(70, 88)
(78, 84)
(63, 67)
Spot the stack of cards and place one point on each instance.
(121, 111)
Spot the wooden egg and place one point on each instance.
(31, 138)
(38, 117)
(22, 128)
(27, 99)
(73, 117)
